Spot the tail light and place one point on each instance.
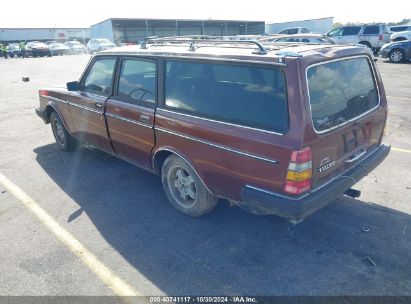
(298, 179)
(381, 37)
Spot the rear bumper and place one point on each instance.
(298, 208)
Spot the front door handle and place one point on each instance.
(98, 105)
(144, 117)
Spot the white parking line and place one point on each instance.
(401, 150)
(117, 285)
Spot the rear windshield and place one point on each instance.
(245, 95)
(340, 91)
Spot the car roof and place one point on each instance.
(236, 51)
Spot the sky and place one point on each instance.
(76, 13)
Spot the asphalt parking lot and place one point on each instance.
(120, 214)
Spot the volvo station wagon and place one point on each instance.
(274, 129)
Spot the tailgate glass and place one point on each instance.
(341, 91)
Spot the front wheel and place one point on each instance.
(63, 138)
(396, 56)
(184, 189)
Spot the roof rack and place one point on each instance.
(201, 40)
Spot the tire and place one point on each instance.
(396, 55)
(184, 189)
(63, 138)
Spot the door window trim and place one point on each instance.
(143, 103)
(87, 71)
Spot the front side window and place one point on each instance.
(137, 81)
(305, 30)
(246, 95)
(100, 77)
(340, 91)
(335, 32)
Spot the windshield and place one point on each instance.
(103, 41)
(340, 91)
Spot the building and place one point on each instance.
(44, 34)
(320, 26)
(134, 30)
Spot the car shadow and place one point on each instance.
(348, 248)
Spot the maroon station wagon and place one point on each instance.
(273, 129)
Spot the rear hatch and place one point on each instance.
(347, 115)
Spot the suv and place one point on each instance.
(280, 131)
(374, 35)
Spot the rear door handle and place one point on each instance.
(357, 156)
(98, 105)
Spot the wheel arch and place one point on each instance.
(50, 108)
(400, 39)
(364, 42)
(161, 154)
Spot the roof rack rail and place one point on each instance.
(193, 42)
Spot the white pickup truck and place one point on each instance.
(401, 36)
(373, 35)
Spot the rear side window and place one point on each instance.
(340, 91)
(371, 30)
(246, 95)
(351, 30)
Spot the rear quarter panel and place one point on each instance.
(228, 157)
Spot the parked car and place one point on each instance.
(400, 28)
(294, 30)
(373, 35)
(298, 38)
(76, 47)
(401, 36)
(282, 130)
(50, 42)
(59, 49)
(37, 49)
(97, 45)
(13, 49)
(396, 51)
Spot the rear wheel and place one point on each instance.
(63, 138)
(184, 189)
(396, 55)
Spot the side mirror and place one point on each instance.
(73, 86)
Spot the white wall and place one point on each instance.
(320, 26)
(102, 30)
(16, 34)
